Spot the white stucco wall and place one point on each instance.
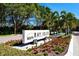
(31, 34)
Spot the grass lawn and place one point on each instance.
(8, 51)
(7, 35)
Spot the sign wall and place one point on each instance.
(30, 35)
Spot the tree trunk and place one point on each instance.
(14, 27)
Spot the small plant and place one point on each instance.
(13, 42)
(45, 54)
(29, 50)
(59, 49)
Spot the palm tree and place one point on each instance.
(56, 20)
(44, 15)
(64, 20)
(68, 21)
(72, 21)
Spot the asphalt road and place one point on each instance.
(4, 39)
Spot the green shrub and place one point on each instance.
(13, 42)
(66, 36)
(45, 54)
(29, 50)
(59, 49)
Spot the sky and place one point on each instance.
(68, 7)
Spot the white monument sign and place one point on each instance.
(30, 35)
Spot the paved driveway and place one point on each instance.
(8, 38)
(74, 45)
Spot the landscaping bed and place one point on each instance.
(6, 50)
(58, 46)
(55, 47)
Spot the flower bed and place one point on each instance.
(55, 47)
(58, 46)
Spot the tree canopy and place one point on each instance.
(19, 13)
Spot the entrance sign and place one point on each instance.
(31, 35)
